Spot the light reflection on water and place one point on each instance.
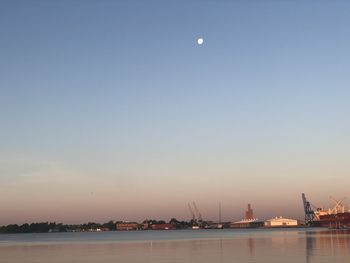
(180, 246)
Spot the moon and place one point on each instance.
(200, 41)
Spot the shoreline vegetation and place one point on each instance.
(173, 224)
(48, 227)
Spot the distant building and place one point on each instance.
(105, 229)
(249, 213)
(163, 227)
(247, 223)
(281, 222)
(127, 226)
(144, 226)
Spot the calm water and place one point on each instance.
(293, 245)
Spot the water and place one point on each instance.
(204, 246)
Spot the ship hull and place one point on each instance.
(338, 220)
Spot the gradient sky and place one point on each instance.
(110, 109)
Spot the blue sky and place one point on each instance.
(113, 103)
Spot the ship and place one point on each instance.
(334, 218)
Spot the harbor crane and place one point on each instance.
(192, 213)
(197, 219)
(199, 215)
(309, 213)
(339, 206)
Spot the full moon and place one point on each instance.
(200, 41)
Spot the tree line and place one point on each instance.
(46, 227)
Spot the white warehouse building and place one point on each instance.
(281, 222)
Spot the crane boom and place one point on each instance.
(339, 207)
(191, 212)
(199, 215)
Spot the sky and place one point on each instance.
(110, 110)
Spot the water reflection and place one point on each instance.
(251, 246)
(327, 244)
(309, 247)
(265, 246)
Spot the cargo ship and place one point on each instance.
(336, 218)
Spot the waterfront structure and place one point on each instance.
(197, 219)
(144, 226)
(249, 214)
(166, 226)
(336, 217)
(125, 226)
(281, 222)
(248, 223)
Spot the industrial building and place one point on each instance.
(281, 222)
(249, 221)
(163, 227)
(249, 215)
(127, 226)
